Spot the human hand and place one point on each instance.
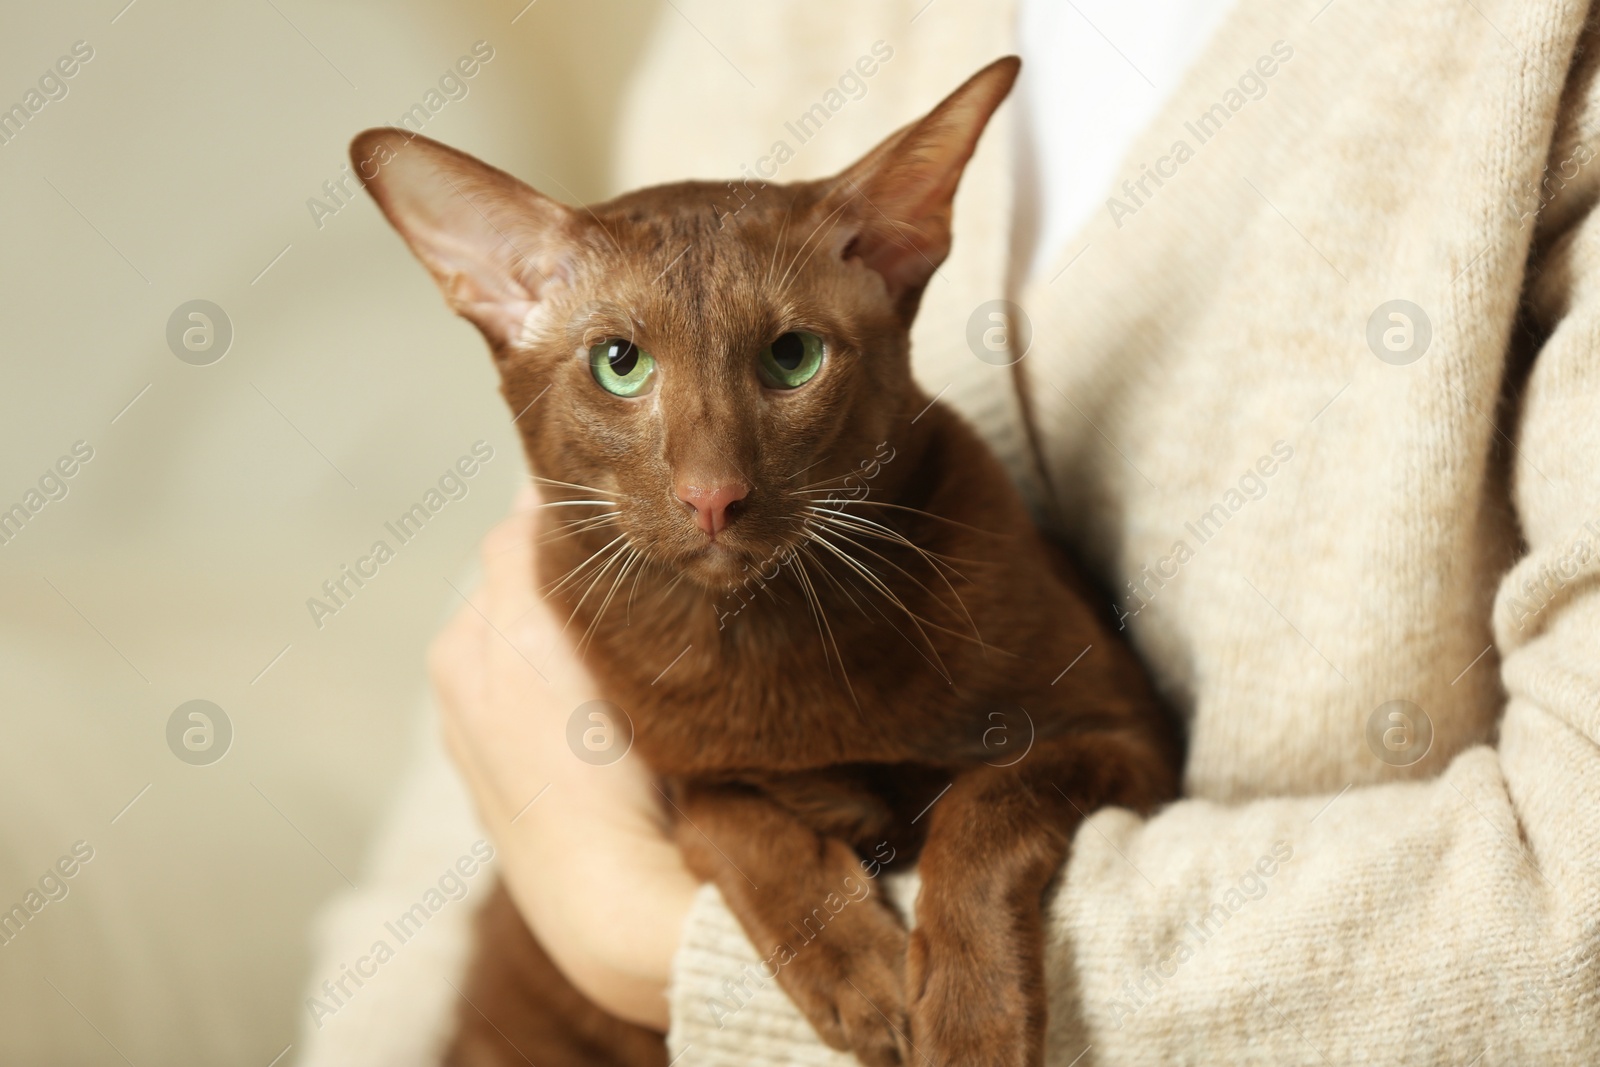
(589, 863)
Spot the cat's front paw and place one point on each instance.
(972, 1002)
(850, 983)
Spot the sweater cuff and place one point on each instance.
(727, 1007)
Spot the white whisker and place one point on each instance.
(937, 563)
(831, 217)
(938, 668)
(621, 552)
(777, 245)
(622, 573)
(580, 526)
(882, 587)
(572, 485)
(557, 586)
(868, 502)
(821, 615)
(867, 527)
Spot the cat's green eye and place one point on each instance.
(622, 367)
(791, 361)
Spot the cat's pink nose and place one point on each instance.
(712, 505)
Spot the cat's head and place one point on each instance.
(703, 358)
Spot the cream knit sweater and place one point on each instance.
(1345, 532)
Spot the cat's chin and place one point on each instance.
(718, 567)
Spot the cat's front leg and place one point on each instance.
(975, 967)
(996, 840)
(818, 922)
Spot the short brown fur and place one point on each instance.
(846, 702)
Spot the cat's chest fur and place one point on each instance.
(725, 681)
(768, 691)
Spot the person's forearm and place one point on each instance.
(582, 846)
(625, 971)
(638, 959)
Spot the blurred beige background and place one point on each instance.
(177, 167)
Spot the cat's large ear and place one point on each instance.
(491, 242)
(896, 199)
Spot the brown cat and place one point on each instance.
(745, 484)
